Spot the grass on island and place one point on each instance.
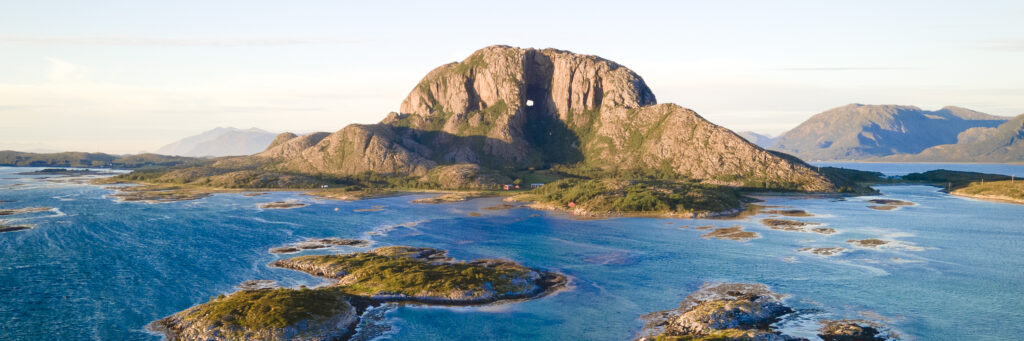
(638, 196)
(271, 308)
(375, 273)
(1011, 190)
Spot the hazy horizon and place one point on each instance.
(132, 77)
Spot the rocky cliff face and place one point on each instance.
(857, 131)
(512, 108)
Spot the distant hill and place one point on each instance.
(763, 141)
(858, 132)
(90, 160)
(221, 142)
(1004, 143)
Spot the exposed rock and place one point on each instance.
(281, 205)
(25, 210)
(850, 330)
(788, 213)
(14, 228)
(721, 311)
(794, 226)
(823, 251)
(890, 202)
(732, 233)
(319, 243)
(870, 242)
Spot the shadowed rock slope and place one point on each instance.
(857, 131)
(505, 109)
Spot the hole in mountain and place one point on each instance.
(553, 141)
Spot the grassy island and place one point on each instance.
(608, 196)
(395, 273)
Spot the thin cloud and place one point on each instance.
(168, 41)
(847, 68)
(1011, 45)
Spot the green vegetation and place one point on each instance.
(953, 179)
(271, 308)
(1006, 190)
(638, 196)
(382, 272)
(716, 335)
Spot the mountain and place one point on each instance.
(220, 141)
(857, 131)
(763, 141)
(506, 109)
(90, 160)
(1004, 143)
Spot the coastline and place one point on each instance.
(994, 198)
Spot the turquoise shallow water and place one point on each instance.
(100, 269)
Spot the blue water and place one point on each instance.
(892, 168)
(101, 269)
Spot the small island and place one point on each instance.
(320, 243)
(740, 311)
(618, 197)
(281, 205)
(14, 228)
(4, 212)
(386, 274)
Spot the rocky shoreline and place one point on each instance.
(742, 311)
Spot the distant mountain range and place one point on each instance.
(222, 141)
(871, 132)
(1004, 143)
(763, 141)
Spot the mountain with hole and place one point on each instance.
(502, 111)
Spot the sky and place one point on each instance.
(131, 76)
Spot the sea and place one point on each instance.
(95, 268)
